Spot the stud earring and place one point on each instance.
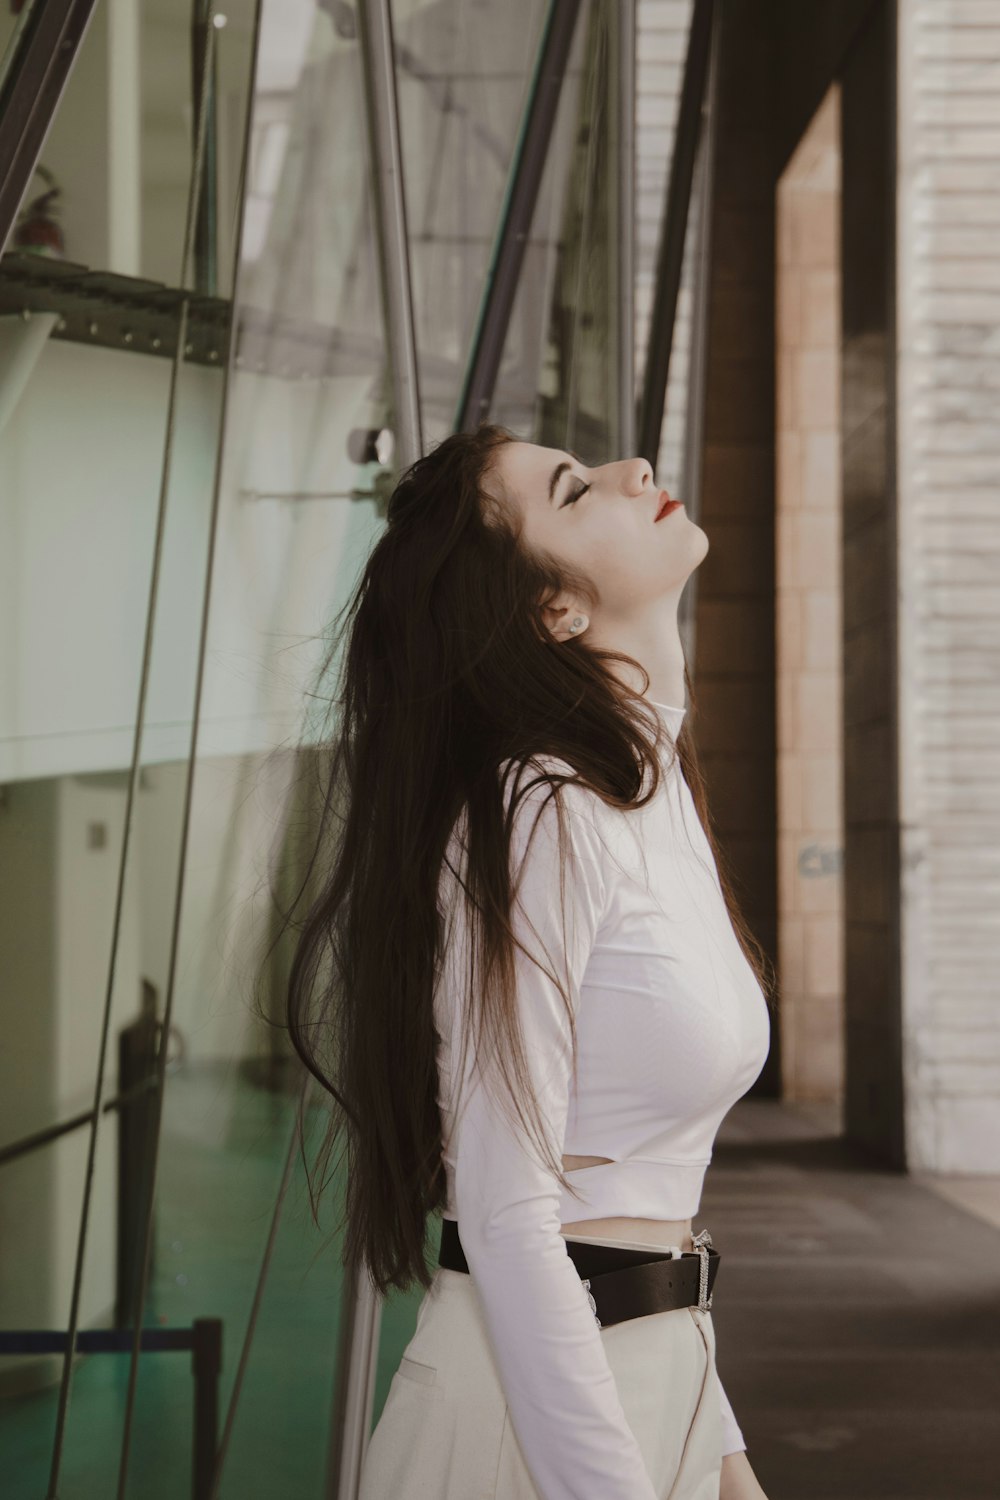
(576, 623)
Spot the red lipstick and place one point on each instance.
(666, 505)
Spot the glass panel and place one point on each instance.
(84, 428)
(296, 516)
(578, 407)
(116, 164)
(462, 73)
(167, 47)
(296, 519)
(13, 20)
(557, 367)
(559, 362)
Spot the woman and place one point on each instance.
(526, 966)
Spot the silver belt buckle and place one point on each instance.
(701, 1243)
(590, 1299)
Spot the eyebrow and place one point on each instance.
(558, 471)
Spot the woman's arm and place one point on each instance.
(732, 1438)
(564, 1405)
(738, 1480)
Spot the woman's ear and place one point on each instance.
(564, 619)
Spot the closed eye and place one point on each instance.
(574, 498)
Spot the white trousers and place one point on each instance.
(445, 1431)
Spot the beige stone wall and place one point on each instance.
(808, 614)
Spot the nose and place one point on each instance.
(640, 472)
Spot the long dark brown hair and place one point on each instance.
(446, 674)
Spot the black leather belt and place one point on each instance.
(623, 1283)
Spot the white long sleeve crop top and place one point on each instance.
(672, 1029)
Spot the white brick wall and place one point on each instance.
(949, 578)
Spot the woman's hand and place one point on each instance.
(738, 1481)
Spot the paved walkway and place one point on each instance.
(857, 1313)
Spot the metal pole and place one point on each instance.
(386, 166)
(516, 215)
(622, 37)
(673, 227)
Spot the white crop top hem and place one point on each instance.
(672, 1028)
(633, 1189)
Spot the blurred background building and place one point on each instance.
(257, 255)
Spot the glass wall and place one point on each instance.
(463, 77)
